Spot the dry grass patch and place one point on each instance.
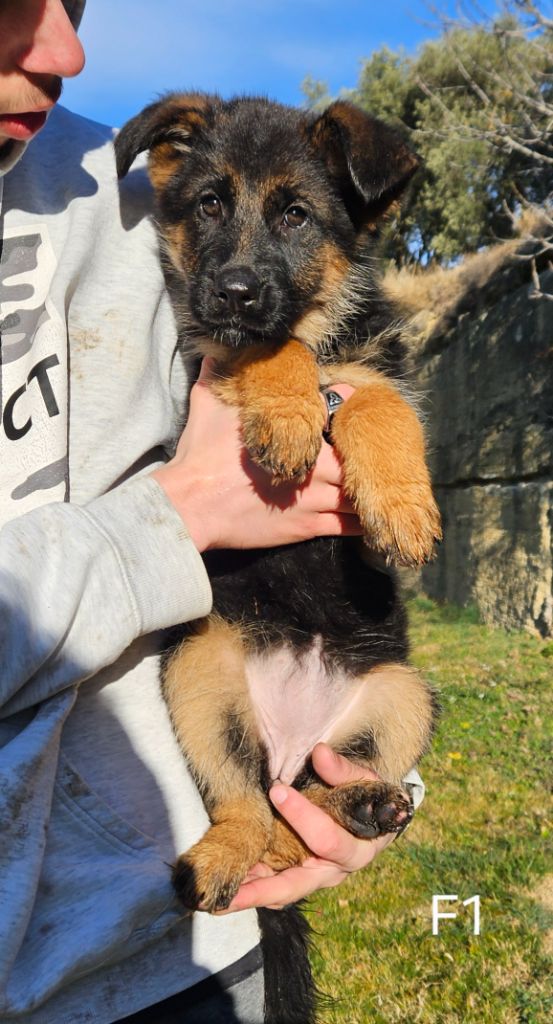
(429, 296)
(543, 895)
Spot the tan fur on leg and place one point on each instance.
(211, 871)
(395, 705)
(282, 416)
(206, 692)
(381, 444)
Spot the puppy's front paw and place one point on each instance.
(381, 445)
(285, 443)
(404, 526)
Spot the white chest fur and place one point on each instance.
(298, 702)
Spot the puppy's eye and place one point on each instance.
(295, 217)
(210, 205)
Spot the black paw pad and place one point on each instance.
(387, 810)
(393, 816)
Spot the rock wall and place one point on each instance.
(488, 378)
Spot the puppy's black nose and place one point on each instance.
(237, 288)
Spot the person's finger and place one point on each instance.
(334, 524)
(259, 870)
(319, 832)
(344, 505)
(296, 883)
(328, 466)
(286, 887)
(335, 769)
(206, 369)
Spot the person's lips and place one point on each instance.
(22, 126)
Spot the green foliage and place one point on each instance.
(477, 105)
(384, 86)
(316, 93)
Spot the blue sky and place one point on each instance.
(139, 48)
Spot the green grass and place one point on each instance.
(485, 827)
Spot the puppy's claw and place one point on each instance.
(405, 535)
(287, 448)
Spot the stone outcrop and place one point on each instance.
(487, 373)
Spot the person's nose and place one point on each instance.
(55, 48)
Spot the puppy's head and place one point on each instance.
(264, 209)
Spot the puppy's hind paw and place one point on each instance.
(370, 809)
(203, 888)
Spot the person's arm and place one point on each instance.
(79, 584)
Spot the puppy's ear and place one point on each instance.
(369, 161)
(171, 122)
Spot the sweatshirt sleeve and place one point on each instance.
(79, 583)
(416, 787)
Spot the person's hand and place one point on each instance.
(226, 501)
(335, 852)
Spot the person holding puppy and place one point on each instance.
(100, 550)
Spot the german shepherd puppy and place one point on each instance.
(268, 219)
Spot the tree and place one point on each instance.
(488, 119)
(477, 104)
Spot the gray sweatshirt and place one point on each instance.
(95, 799)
